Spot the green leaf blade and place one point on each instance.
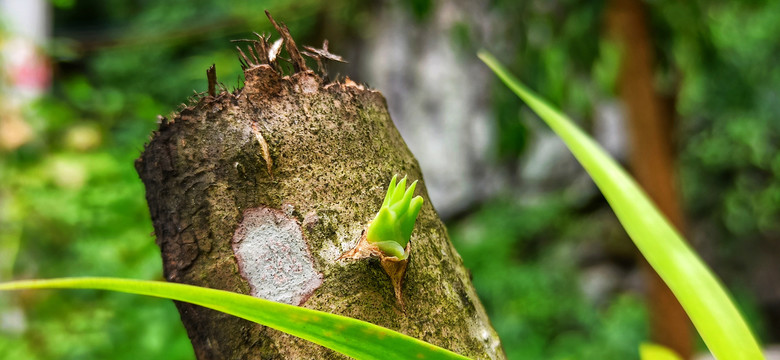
(351, 337)
(390, 190)
(402, 206)
(704, 299)
(398, 194)
(656, 352)
(382, 228)
(407, 222)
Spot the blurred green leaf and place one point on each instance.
(524, 253)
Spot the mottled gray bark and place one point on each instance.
(261, 190)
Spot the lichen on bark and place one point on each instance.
(318, 155)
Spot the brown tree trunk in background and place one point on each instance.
(261, 190)
(652, 158)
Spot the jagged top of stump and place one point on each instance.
(265, 71)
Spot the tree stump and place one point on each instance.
(261, 190)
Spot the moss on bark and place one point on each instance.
(333, 149)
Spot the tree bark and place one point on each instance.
(261, 190)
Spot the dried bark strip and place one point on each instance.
(298, 64)
(211, 76)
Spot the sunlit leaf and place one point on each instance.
(656, 352)
(351, 337)
(708, 305)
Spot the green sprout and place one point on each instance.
(392, 227)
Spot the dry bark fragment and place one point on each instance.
(211, 75)
(394, 267)
(298, 63)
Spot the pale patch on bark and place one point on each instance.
(273, 257)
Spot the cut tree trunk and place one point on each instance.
(261, 190)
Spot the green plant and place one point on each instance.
(705, 301)
(352, 337)
(392, 227)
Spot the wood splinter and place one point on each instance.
(211, 75)
(295, 56)
(266, 150)
(322, 54)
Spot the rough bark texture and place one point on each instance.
(222, 220)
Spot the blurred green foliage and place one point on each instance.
(730, 112)
(717, 61)
(524, 265)
(72, 204)
(554, 48)
(78, 208)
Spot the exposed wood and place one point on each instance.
(211, 76)
(321, 55)
(269, 163)
(292, 49)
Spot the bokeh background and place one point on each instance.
(84, 80)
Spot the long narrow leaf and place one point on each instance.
(701, 295)
(351, 337)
